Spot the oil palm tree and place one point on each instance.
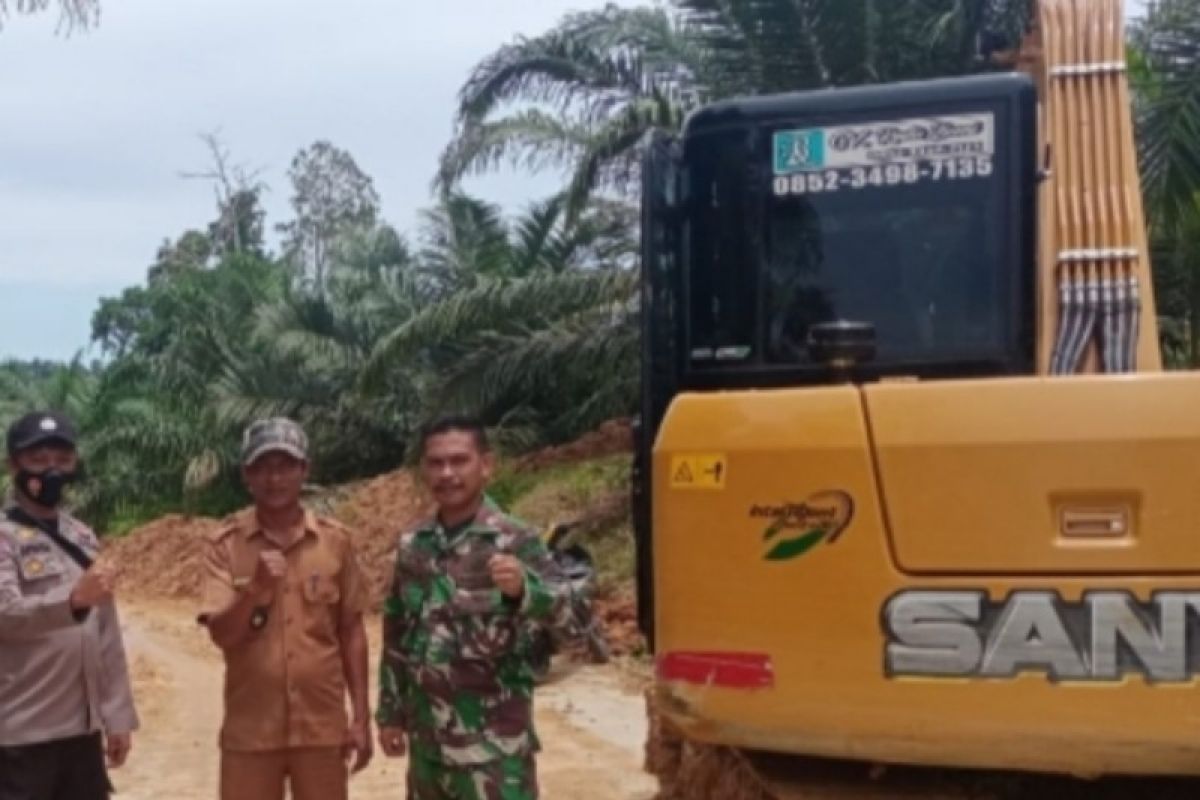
(583, 96)
(1165, 54)
(523, 337)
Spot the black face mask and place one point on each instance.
(44, 488)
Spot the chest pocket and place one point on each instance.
(38, 563)
(484, 626)
(322, 605)
(322, 590)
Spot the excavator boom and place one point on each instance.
(1097, 300)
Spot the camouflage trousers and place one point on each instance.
(506, 779)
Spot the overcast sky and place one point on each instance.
(96, 127)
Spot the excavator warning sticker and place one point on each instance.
(702, 471)
(869, 155)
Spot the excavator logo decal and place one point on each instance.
(797, 151)
(797, 528)
(1103, 637)
(920, 141)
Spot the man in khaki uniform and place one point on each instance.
(65, 699)
(283, 599)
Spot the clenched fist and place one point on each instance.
(93, 587)
(508, 574)
(271, 567)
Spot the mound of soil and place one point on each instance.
(611, 438)
(162, 559)
(378, 511)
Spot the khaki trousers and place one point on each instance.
(313, 773)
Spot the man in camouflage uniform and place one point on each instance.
(470, 586)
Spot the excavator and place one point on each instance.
(912, 488)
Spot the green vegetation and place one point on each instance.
(361, 331)
(593, 496)
(1165, 58)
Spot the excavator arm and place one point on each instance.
(1096, 297)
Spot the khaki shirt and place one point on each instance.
(61, 675)
(285, 685)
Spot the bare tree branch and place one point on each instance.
(230, 181)
(73, 14)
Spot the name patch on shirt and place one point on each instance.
(39, 561)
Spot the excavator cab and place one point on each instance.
(910, 486)
(905, 213)
(813, 208)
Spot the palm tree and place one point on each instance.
(467, 240)
(1165, 53)
(309, 348)
(463, 240)
(592, 88)
(557, 351)
(521, 334)
(69, 388)
(598, 82)
(152, 430)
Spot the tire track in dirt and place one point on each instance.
(590, 728)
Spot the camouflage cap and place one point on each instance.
(277, 434)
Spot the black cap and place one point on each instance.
(40, 427)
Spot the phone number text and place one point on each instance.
(854, 178)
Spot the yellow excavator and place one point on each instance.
(912, 488)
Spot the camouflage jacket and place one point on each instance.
(455, 670)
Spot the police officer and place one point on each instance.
(471, 587)
(65, 701)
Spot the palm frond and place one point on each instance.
(601, 341)
(499, 306)
(532, 139)
(463, 238)
(1167, 43)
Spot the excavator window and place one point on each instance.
(924, 270)
(930, 243)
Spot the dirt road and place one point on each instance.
(592, 726)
